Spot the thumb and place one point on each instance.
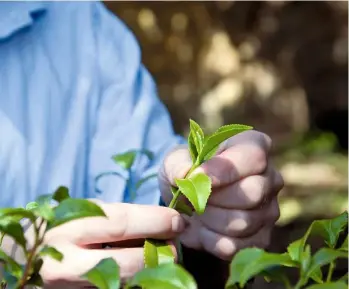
(175, 166)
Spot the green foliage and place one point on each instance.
(161, 272)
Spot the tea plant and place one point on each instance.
(161, 272)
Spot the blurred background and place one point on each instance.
(280, 66)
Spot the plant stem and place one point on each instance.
(176, 195)
(31, 255)
(287, 283)
(299, 284)
(330, 272)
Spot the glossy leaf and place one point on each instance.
(126, 159)
(250, 262)
(13, 229)
(44, 208)
(331, 285)
(197, 134)
(192, 148)
(51, 252)
(31, 206)
(222, 134)
(166, 276)
(156, 253)
(72, 209)
(305, 259)
(295, 250)
(197, 189)
(105, 275)
(11, 266)
(61, 194)
(17, 214)
(323, 257)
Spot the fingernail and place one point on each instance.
(178, 224)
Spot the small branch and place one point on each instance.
(330, 272)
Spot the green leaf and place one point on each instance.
(197, 189)
(31, 206)
(331, 285)
(72, 209)
(11, 266)
(156, 253)
(223, 133)
(13, 229)
(183, 208)
(197, 134)
(51, 252)
(305, 259)
(37, 265)
(126, 159)
(105, 275)
(192, 148)
(35, 280)
(250, 262)
(295, 250)
(17, 214)
(323, 257)
(61, 194)
(344, 246)
(166, 276)
(44, 208)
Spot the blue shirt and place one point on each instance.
(73, 92)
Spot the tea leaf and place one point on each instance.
(51, 252)
(11, 266)
(44, 208)
(35, 280)
(344, 246)
(197, 135)
(72, 209)
(323, 257)
(197, 189)
(17, 214)
(250, 262)
(61, 194)
(166, 276)
(157, 252)
(192, 148)
(31, 206)
(105, 275)
(305, 259)
(331, 285)
(223, 133)
(14, 230)
(126, 159)
(183, 208)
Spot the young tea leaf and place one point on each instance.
(323, 257)
(223, 133)
(105, 275)
(61, 194)
(44, 208)
(157, 253)
(166, 276)
(197, 189)
(197, 135)
(250, 262)
(183, 208)
(17, 214)
(72, 209)
(11, 266)
(35, 280)
(31, 206)
(126, 159)
(331, 285)
(51, 252)
(344, 246)
(192, 148)
(14, 230)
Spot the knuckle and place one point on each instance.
(260, 160)
(238, 225)
(255, 190)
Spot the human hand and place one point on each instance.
(81, 241)
(243, 207)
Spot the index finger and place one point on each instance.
(243, 155)
(123, 222)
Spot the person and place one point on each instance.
(74, 92)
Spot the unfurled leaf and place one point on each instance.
(156, 253)
(105, 275)
(192, 148)
(197, 190)
(72, 209)
(250, 262)
(223, 133)
(197, 134)
(61, 194)
(125, 160)
(37, 265)
(11, 281)
(31, 206)
(17, 214)
(13, 229)
(295, 250)
(10, 265)
(344, 246)
(44, 208)
(305, 259)
(166, 276)
(183, 208)
(331, 285)
(323, 257)
(51, 252)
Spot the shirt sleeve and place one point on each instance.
(130, 114)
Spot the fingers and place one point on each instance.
(123, 222)
(248, 193)
(225, 248)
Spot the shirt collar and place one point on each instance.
(16, 15)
